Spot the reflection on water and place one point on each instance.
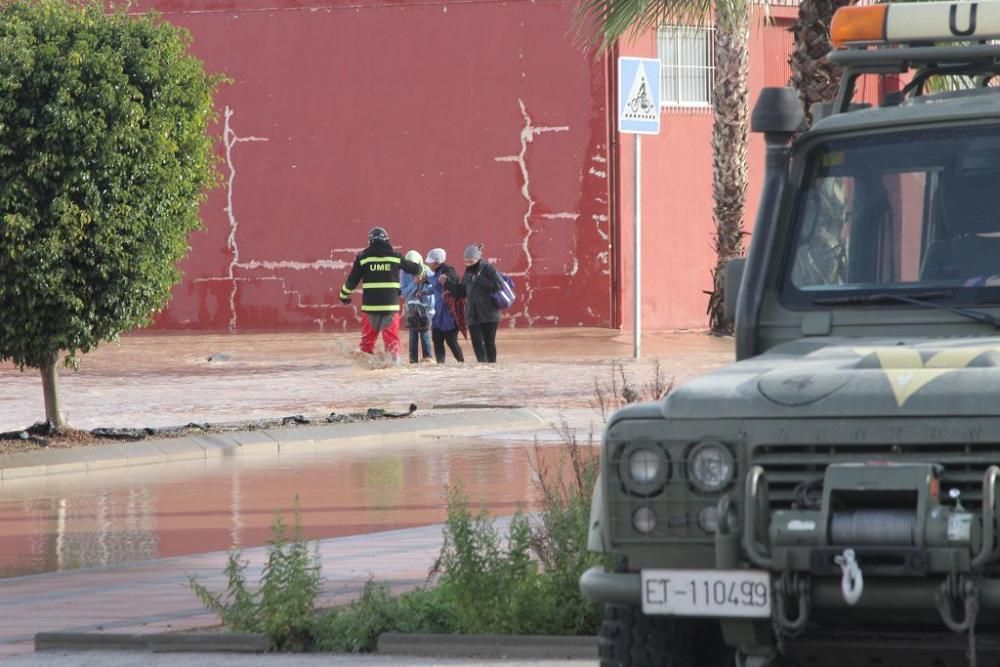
(101, 518)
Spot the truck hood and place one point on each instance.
(850, 378)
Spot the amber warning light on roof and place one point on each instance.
(915, 22)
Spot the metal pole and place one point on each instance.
(637, 251)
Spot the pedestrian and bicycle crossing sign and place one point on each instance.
(639, 95)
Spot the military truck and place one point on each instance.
(831, 499)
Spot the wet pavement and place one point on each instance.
(167, 380)
(155, 596)
(108, 517)
(113, 548)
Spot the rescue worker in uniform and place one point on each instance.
(376, 268)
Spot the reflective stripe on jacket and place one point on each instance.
(376, 268)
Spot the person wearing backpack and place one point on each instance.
(419, 298)
(478, 285)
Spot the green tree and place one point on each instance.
(605, 21)
(104, 161)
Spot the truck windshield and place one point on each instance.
(902, 212)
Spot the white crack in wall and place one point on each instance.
(528, 134)
(231, 139)
(598, 219)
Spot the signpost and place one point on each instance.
(638, 114)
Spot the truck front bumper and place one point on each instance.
(604, 587)
(599, 585)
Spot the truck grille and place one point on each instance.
(676, 503)
(789, 466)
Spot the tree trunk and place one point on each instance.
(50, 388)
(813, 76)
(730, 99)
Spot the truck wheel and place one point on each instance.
(629, 638)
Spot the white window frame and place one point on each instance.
(684, 68)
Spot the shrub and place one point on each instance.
(486, 582)
(283, 605)
(559, 538)
(525, 581)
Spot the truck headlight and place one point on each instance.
(710, 467)
(708, 519)
(644, 520)
(644, 465)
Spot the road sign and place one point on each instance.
(639, 95)
(638, 114)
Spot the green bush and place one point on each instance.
(484, 581)
(559, 539)
(283, 607)
(523, 582)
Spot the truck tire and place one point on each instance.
(629, 638)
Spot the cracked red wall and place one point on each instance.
(446, 122)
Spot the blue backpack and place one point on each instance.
(504, 297)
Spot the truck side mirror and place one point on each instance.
(778, 112)
(733, 278)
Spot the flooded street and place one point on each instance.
(169, 380)
(112, 547)
(65, 522)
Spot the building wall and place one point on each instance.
(677, 222)
(445, 122)
(448, 123)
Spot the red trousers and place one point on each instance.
(390, 336)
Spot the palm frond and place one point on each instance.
(601, 22)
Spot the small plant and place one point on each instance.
(560, 536)
(619, 390)
(237, 609)
(355, 628)
(485, 580)
(290, 584)
(491, 581)
(283, 605)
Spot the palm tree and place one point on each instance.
(813, 76)
(603, 22)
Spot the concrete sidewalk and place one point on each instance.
(154, 596)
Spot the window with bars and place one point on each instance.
(687, 65)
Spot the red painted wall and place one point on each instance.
(446, 122)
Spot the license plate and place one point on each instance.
(737, 593)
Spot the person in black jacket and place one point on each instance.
(478, 284)
(377, 269)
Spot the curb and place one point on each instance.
(542, 647)
(155, 643)
(265, 441)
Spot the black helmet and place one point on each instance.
(377, 234)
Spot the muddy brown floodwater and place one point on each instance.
(106, 517)
(71, 521)
(167, 380)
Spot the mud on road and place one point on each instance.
(166, 380)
